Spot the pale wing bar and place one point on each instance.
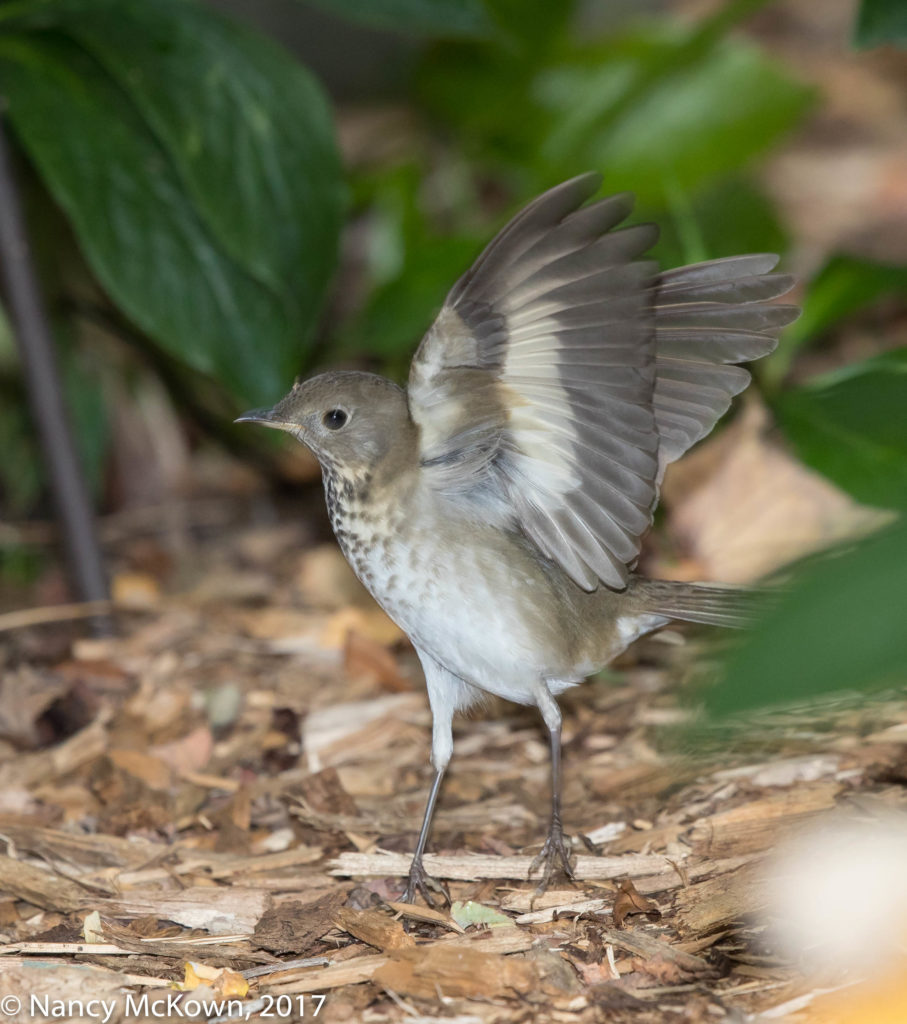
(587, 387)
(563, 374)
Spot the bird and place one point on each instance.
(495, 506)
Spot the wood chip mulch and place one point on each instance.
(224, 797)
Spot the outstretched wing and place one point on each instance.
(563, 373)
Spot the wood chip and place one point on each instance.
(40, 887)
(717, 901)
(635, 940)
(455, 971)
(294, 926)
(323, 979)
(564, 910)
(416, 912)
(758, 824)
(220, 911)
(373, 927)
(471, 867)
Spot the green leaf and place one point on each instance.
(880, 22)
(851, 426)
(844, 286)
(84, 388)
(725, 218)
(536, 25)
(443, 18)
(401, 311)
(706, 119)
(408, 264)
(21, 468)
(197, 165)
(839, 627)
(659, 110)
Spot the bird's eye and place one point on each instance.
(334, 419)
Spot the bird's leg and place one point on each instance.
(555, 854)
(418, 879)
(443, 689)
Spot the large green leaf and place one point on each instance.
(839, 627)
(706, 119)
(727, 217)
(880, 22)
(415, 17)
(659, 110)
(197, 165)
(852, 427)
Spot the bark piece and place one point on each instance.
(294, 926)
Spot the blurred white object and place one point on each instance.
(837, 896)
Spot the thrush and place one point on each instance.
(496, 506)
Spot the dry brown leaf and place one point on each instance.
(742, 506)
(136, 591)
(629, 901)
(324, 792)
(153, 771)
(189, 754)
(25, 694)
(367, 659)
(226, 983)
(371, 623)
(595, 973)
(325, 579)
(664, 971)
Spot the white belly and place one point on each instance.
(458, 603)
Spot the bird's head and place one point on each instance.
(353, 422)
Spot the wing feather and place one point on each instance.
(564, 373)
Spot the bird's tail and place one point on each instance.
(710, 604)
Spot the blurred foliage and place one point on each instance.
(662, 109)
(196, 164)
(840, 626)
(880, 22)
(416, 17)
(851, 425)
(845, 286)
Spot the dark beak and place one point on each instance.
(264, 416)
(270, 418)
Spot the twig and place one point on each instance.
(53, 613)
(472, 867)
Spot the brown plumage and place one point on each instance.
(497, 506)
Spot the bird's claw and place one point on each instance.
(553, 857)
(422, 883)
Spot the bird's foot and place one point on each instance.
(554, 857)
(420, 882)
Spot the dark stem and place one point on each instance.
(45, 395)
